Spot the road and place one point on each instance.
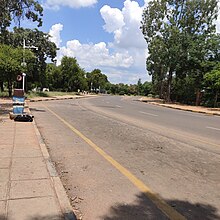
(122, 159)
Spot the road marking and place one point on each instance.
(170, 212)
(146, 113)
(217, 129)
(118, 106)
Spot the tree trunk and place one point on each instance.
(169, 81)
(2, 86)
(198, 97)
(9, 88)
(216, 99)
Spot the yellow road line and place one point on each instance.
(156, 199)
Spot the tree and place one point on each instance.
(178, 34)
(19, 9)
(212, 82)
(73, 76)
(146, 88)
(45, 50)
(97, 80)
(139, 87)
(16, 10)
(10, 64)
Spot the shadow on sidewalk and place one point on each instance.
(5, 108)
(143, 209)
(68, 216)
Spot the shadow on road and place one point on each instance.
(142, 210)
(36, 110)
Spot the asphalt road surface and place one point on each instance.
(123, 159)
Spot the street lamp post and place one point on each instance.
(24, 63)
(23, 79)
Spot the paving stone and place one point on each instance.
(28, 168)
(3, 190)
(35, 208)
(23, 141)
(31, 189)
(4, 175)
(5, 151)
(5, 162)
(2, 210)
(26, 152)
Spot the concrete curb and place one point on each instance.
(64, 202)
(58, 98)
(183, 109)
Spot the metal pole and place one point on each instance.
(23, 84)
(24, 52)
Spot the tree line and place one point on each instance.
(69, 77)
(183, 50)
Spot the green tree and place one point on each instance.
(73, 76)
(10, 64)
(146, 88)
(16, 10)
(45, 49)
(178, 34)
(212, 82)
(139, 87)
(19, 9)
(97, 80)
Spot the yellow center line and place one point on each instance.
(170, 212)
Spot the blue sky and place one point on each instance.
(101, 34)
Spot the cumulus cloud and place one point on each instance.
(123, 59)
(218, 20)
(55, 34)
(113, 18)
(56, 4)
(91, 56)
(125, 24)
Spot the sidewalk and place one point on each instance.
(198, 109)
(30, 188)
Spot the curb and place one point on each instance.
(63, 200)
(51, 99)
(179, 108)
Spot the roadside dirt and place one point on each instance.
(5, 107)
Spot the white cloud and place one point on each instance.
(125, 24)
(113, 18)
(55, 34)
(91, 56)
(56, 4)
(122, 60)
(218, 20)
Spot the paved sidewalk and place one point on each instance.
(30, 188)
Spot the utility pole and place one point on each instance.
(24, 63)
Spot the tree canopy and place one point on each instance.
(15, 10)
(179, 35)
(10, 64)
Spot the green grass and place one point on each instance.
(40, 94)
(4, 94)
(48, 94)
